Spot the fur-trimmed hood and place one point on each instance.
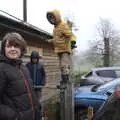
(56, 14)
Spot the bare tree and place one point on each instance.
(105, 28)
(94, 53)
(108, 40)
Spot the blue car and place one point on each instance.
(94, 95)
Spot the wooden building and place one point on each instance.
(36, 40)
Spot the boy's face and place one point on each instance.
(34, 60)
(11, 51)
(52, 19)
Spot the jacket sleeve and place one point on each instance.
(50, 40)
(27, 66)
(66, 31)
(5, 111)
(43, 76)
(26, 69)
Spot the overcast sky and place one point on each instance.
(85, 14)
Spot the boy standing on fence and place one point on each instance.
(37, 73)
(62, 40)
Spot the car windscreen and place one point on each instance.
(88, 74)
(106, 85)
(106, 73)
(117, 73)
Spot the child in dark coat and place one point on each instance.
(37, 72)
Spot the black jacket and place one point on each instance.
(17, 99)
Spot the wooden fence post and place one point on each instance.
(66, 100)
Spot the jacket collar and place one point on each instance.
(14, 62)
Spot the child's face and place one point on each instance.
(34, 60)
(11, 51)
(52, 19)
